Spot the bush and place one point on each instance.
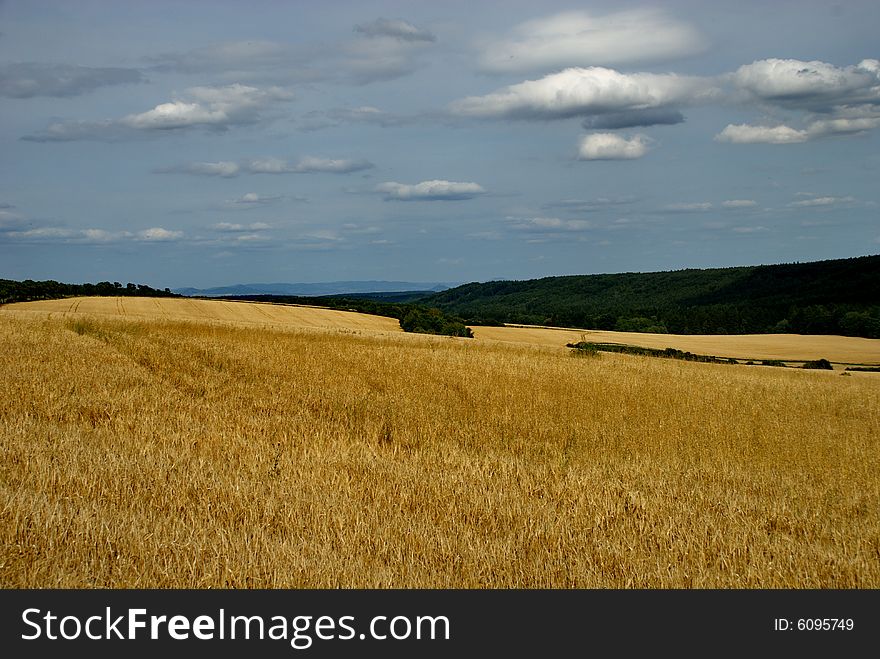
(822, 364)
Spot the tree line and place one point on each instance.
(825, 297)
(30, 290)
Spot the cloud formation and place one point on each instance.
(689, 207)
(821, 202)
(738, 203)
(341, 166)
(434, 190)
(832, 100)
(579, 38)
(30, 79)
(548, 225)
(270, 165)
(55, 234)
(810, 85)
(213, 108)
(610, 146)
(396, 29)
(747, 134)
(223, 168)
(584, 92)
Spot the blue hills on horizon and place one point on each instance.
(317, 288)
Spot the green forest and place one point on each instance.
(29, 290)
(825, 297)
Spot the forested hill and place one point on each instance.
(825, 297)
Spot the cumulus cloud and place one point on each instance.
(435, 190)
(738, 203)
(809, 85)
(342, 166)
(215, 108)
(610, 146)
(579, 38)
(29, 79)
(834, 101)
(748, 134)
(584, 92)
(396, 29)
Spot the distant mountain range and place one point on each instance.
(316, 289)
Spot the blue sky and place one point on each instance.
(211, 143)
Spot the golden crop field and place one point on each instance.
(151, 452)
(785, 347)
(223, 311)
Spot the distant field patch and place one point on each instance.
(784, 347)
(248, 313)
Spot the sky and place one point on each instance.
(211, 143)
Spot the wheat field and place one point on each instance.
(216, 311)
(151, 452)
(785, 347)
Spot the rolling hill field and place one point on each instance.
(251, 313)
(786, 347)
(153, 449)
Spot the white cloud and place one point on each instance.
(223, 168)
(816, 202)
(267, 166)
(397, 29)
(158, 234)
(739, 203)
(585, 91)
(610, 146)
(578, 38)
(435, 190)
(342, 166)
(691, 207)
(834, 101)
(809, 84)
(210, 106)
(217, 108)
(89, 236)
(747, 134)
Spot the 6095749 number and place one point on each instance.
(814, 624)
